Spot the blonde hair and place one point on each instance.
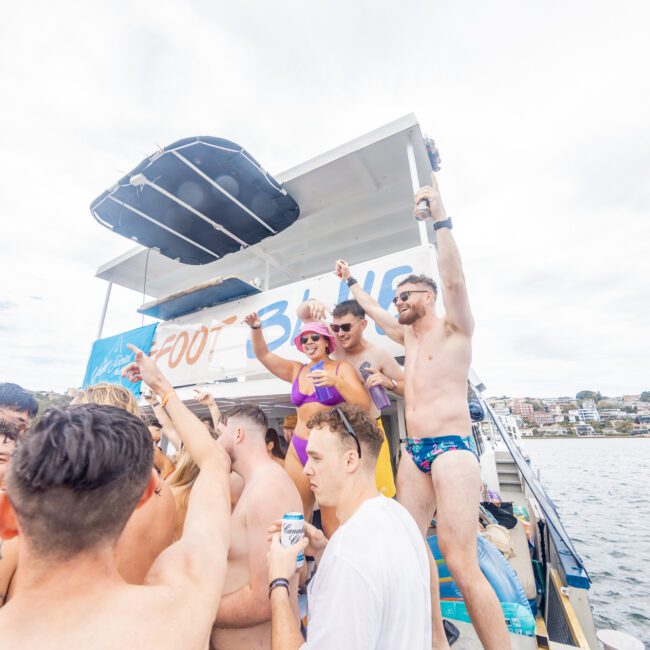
(109, 395)
(181, 481)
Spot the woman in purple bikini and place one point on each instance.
(343, 384)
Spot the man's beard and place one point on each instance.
(411, 316)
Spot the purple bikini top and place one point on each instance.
(298, 398)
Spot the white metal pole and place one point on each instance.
(103, 316)
(415, 182)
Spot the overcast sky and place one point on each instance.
(540, 111)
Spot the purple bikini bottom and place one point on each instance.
(300, 445)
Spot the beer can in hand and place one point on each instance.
(293, 530)
(422, 212)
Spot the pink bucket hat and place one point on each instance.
(316, 328)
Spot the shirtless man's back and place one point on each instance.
(440, 473)
(70, 513)
(244, 617)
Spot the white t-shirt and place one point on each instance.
(371, 589)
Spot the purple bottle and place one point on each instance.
(378, 394)
(324, 393)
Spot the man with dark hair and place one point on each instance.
(9, 433)
(72, 486)
(17, 405)
(244, 617)
(440, 472)
(348, 324)
(359, 597)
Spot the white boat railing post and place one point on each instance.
(104, 308)
(415, 182)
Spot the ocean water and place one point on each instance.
(602, 490)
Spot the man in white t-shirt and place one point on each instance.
(371, 588)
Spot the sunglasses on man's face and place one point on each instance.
(349, 429)
(305, 339)
(404, 295)
(343, 327)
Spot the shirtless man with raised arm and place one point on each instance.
(348, 324)
(70, 510)
(440, 472)
(244, 618)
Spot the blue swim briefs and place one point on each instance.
(424, 451)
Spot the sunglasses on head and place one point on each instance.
(313, 337)
(404, 295)
(344, 327)
(349, 429)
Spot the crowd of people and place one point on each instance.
(107, 542)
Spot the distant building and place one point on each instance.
(588, 414)
(584, 429)
(611, 414)
(509, 422)
(500, 408)
(631, 398)
(583, 415)
(541, 419)
(511, 426)
(553, 430)
(524, 409)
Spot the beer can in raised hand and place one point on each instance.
(422, 212)
(293, 530)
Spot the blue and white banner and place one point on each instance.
(110, 355)
(214, 344)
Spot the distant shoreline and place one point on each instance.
(620, 437)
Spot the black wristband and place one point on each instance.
(278, 582)
(256, 327)
(351, 281)
(442, 224)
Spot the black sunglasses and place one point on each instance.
(404, 296)
(348, 428)
(345, 327)
(313, 337)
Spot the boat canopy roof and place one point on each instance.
(355, 203)
(197, 200)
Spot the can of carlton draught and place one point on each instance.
(293, 530)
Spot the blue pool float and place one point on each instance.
(500, 575)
